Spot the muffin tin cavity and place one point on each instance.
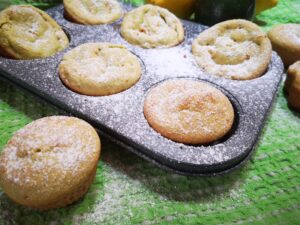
(120, 116)
(237, 108)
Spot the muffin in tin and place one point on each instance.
(93, 12)
(234, 49)
(28, 33)
(151, 26)
(189, 111)
(99, 69)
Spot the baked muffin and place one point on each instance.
(27, 33)
(292, 86)
(234, 49)
(99, 69)
(151, 26)
(93, 12)
(50, 163)
(188, 111)
(285, 40)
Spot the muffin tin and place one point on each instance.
(121, 117)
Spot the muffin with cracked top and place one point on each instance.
(27, 32)
(234, 49)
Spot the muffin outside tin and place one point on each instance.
(121, 117)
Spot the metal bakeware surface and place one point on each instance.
(121, 117)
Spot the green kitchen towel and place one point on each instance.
(129, 190)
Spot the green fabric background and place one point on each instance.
(129, 190)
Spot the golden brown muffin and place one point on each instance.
(151, 26)
(93, 12)
(50, 163)
(285, 40)
(188, 111)
(292, 86)
(27, 33)
(234, 49)
(99, 69)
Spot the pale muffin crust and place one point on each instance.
(285, 40)
(187, 111)
(27, 33)
(151, 26)
(93, 12)
(99, 69)
(50, 163)
(292, 86)
(234, 49)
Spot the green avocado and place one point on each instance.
(210, 12)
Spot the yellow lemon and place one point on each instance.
(181, 8)
(262, 5)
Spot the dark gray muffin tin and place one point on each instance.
(121, 117)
